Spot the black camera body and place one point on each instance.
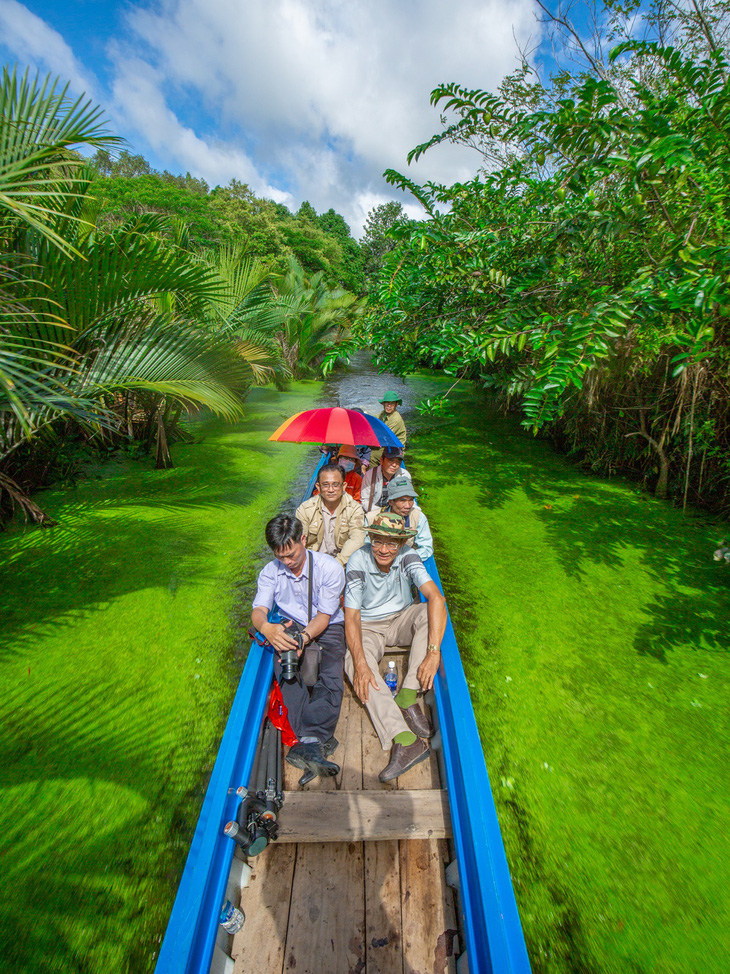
(290, 658)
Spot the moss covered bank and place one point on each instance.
(120, 657)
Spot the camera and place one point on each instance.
(290, 658)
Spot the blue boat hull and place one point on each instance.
(494, 940)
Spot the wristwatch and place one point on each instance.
(433, 648)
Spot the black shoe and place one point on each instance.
(310, 757)
(403, 757)
(329, 747)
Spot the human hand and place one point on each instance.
(362, 680)
(427, 670)
(278, 637)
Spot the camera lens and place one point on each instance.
(289, 664)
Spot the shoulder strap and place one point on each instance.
(311, 582)
(372, 490)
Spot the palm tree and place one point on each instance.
(93, 323)
(316, 319)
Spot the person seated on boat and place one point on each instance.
(348, 459)
(374, 490)
(306, 587)
(402, 500)
(363, 452)
(392, 419)
(380, 614)
(333, 521)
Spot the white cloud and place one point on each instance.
(137, 91)
(302, 99)
(33, 42)
(333, 92)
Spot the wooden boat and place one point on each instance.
(406, 877)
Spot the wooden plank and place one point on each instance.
(374, 758)
(357, 816)
(258, 948)
(349, 733)
(326, 933)
(383, 934)
(428, 942)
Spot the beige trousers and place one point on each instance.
(409, 627)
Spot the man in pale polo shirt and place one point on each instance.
(333, 521)
(380, 614)
(285, 581)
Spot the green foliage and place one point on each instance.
(114, 330)
(123, 648)
(586, 269)
(316, 321)
(378, 241)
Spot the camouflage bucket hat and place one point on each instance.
(389, 525)
(390, 397)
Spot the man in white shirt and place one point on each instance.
(306, 587)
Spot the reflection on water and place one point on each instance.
(362, 386)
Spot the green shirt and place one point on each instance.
(396, 424)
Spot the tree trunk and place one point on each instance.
(163, 460)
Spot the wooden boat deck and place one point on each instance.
(356, 882)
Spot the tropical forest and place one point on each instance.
(557, 327)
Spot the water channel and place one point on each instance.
(592, 624)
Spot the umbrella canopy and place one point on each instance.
(336, 425)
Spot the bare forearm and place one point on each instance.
(436, 620)
(316, 626)
(260, 619)
(353, 635)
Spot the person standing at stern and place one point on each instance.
(392, 419)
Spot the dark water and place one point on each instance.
(362, 386)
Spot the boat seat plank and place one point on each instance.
(383, 933)
(357, 816)
(259, 945)
(428, 940)
(326, 932)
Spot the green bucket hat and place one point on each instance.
(390, 397)
(390, 526)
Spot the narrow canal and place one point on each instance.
(593, 627)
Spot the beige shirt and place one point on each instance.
(349, 526)
(329, 545)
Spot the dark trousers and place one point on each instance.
(316, 715)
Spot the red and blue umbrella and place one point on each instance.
(336, 425)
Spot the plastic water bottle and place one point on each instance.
(231, 919)
(391, 678)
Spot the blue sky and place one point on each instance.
(302, 99)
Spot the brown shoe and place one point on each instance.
(417, 721)
(403, 757)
